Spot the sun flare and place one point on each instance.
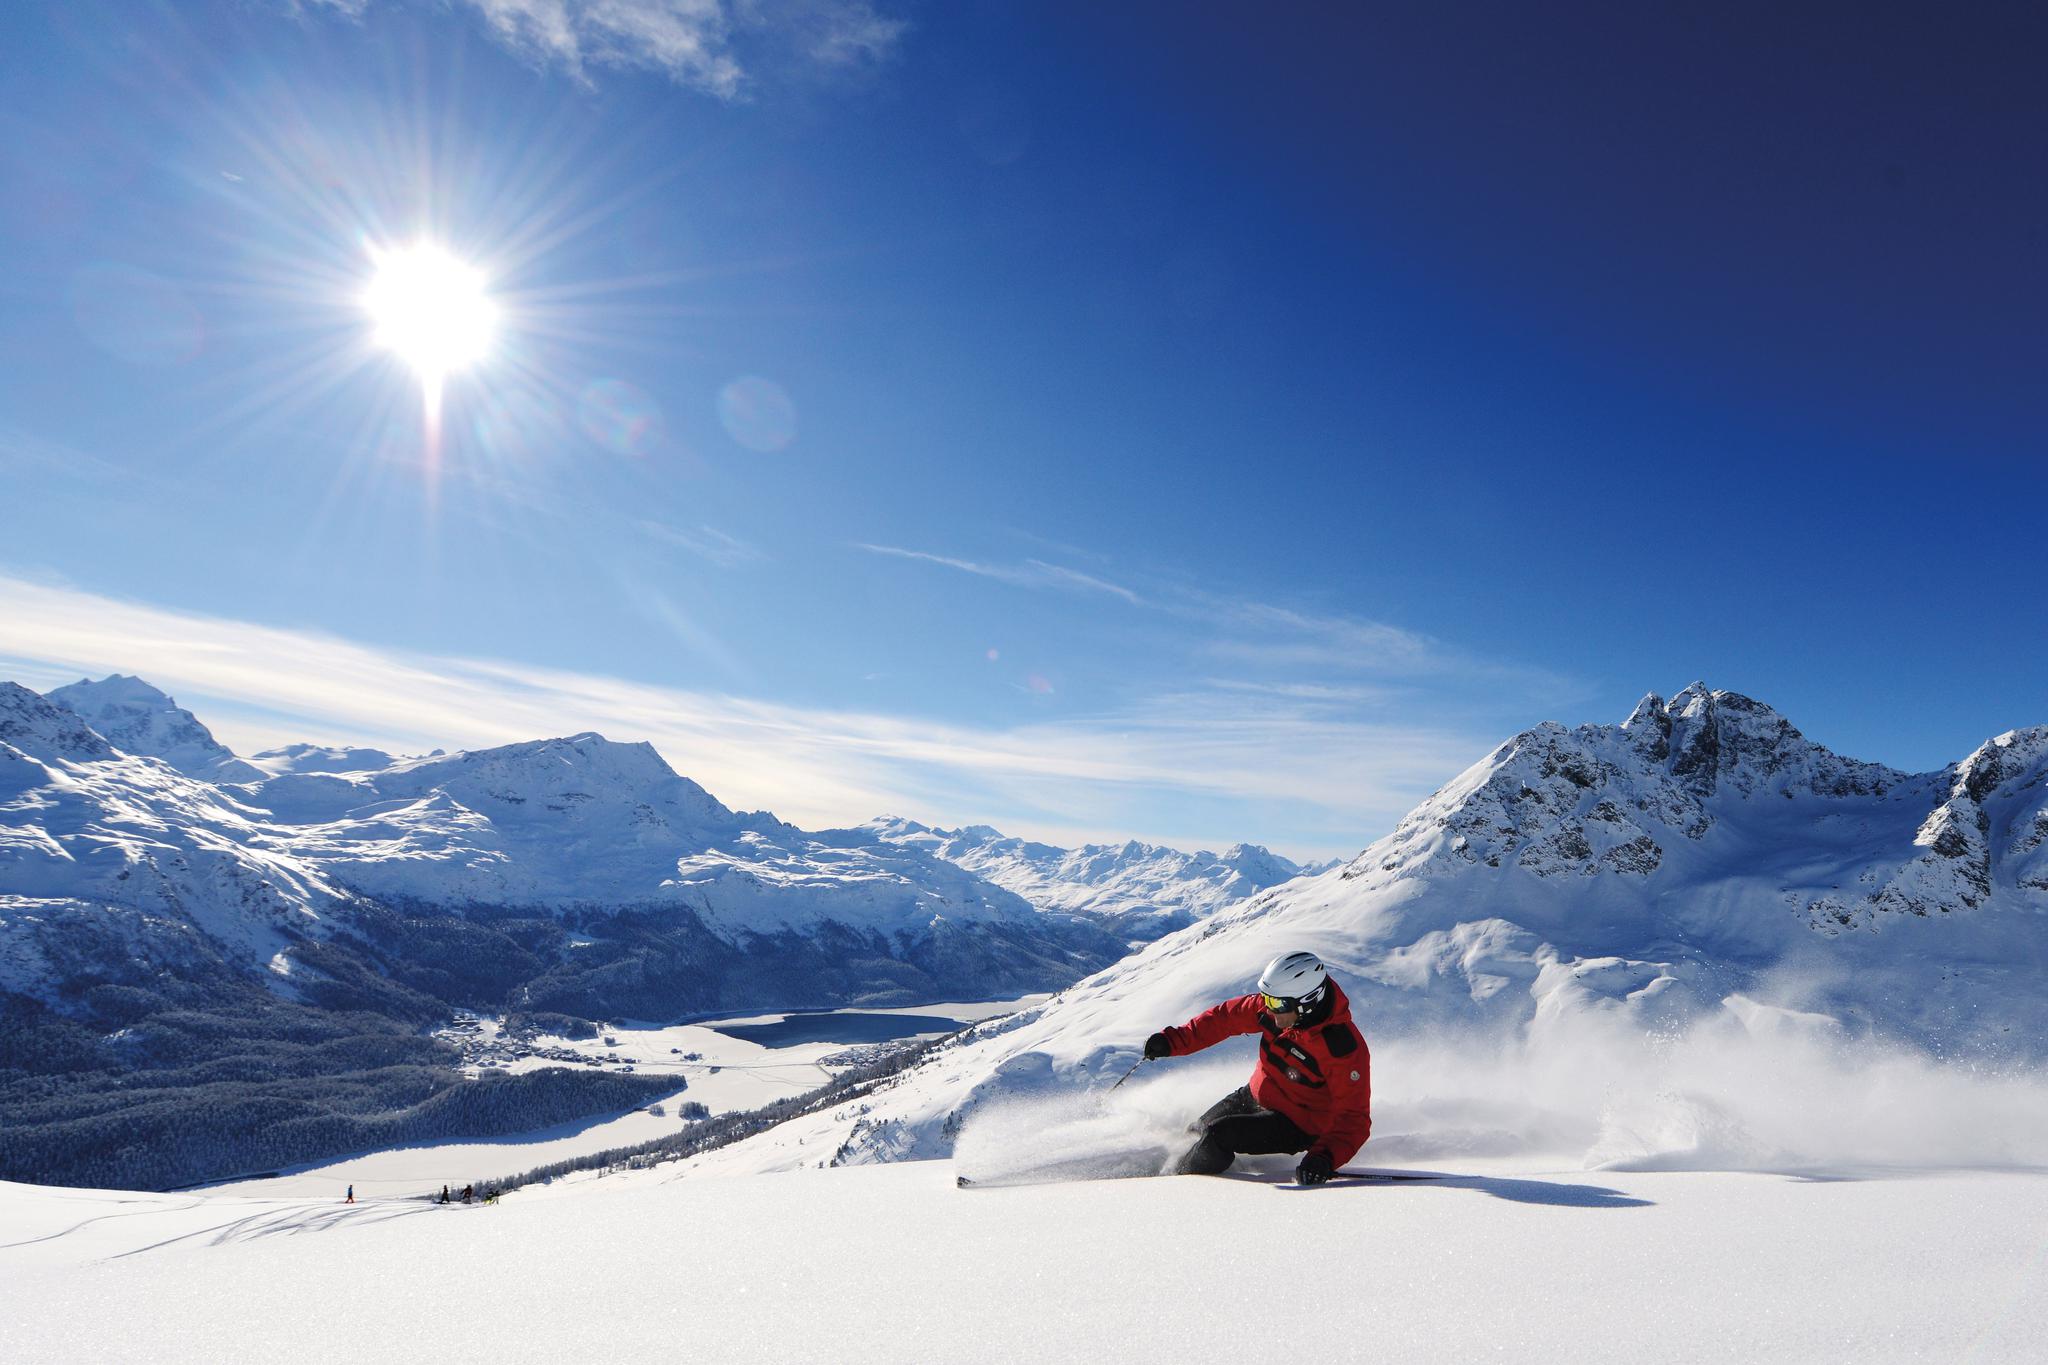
(431, 310)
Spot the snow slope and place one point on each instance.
(1144, 890)
(893, 1264)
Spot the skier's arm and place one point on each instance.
(1350, 1079)
(1213, 1025)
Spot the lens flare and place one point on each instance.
(619, 416)
(757, 413)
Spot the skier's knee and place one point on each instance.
(1207, 1157)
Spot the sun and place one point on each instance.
(430, 309)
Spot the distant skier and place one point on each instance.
(444, 1194)
(1312, 1090)
(351, 1195)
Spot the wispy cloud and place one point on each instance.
(704, 45)
(689, 41)
(1333, 660)
(1332, 694)
(831, 33)
(1236, 627)
(1343, 648)
(706, 542)
(1061, 576)
(1191, 768)
(1032, 573)
(1274, 637)
(1275, 632)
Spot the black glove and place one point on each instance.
(1314, 1169)
(1156, 1047)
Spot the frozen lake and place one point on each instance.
(845, 1027)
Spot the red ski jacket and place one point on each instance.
(1320, 1076)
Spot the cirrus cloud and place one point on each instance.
(711, 46)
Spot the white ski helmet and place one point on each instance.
(1293, 980)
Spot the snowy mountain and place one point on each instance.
(112, 866)
(583, 821)
(258, 872)
(138, 719)
(1141, 890)
(1699, 870)
(318, 758)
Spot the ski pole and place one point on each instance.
(1127, 1075)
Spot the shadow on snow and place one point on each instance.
(1556, 1193)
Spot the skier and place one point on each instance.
(351, 1195)
(1312, 1090)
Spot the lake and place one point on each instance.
(836, 1027)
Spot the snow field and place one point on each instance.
(892, 1263)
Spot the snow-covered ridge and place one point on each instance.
(1144, 889)
(585, 820)
(320, 758)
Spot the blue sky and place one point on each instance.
(1197, 423)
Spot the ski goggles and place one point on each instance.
(1291, 1004)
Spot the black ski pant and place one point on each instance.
(1236, 1125)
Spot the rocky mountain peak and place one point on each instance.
(1675, 777)
(1259, 865)
(2015, 757)
(1648, 728)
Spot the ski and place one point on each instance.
(1094, 1169)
